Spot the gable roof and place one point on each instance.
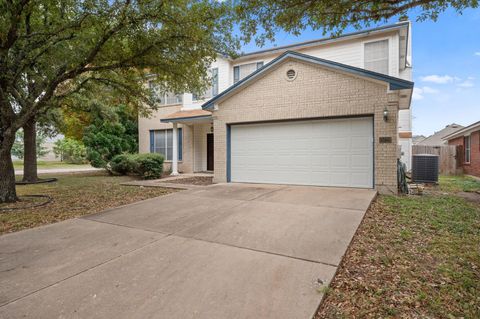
(394, 83)
(464, 131)
(300, 45)
(437, 137)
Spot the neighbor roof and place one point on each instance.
(437, 137)
(395, 83)
(464, 131)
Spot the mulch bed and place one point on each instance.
(198, 180)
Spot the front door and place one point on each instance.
(210, 152)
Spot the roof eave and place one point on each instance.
(183, 119)
(348, 36)
(462, 132)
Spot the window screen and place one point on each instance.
(215, 81)
(161, 96)
(376, 56)
(163, 143)
(466, 142)
(212, 90)
(242, 71)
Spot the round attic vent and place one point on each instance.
(291, 74)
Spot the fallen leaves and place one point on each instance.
(75, 195)
(412, 257)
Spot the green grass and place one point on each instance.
(50, 165)
(459, 184)
(74, 195)
(413, 257)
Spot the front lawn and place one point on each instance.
(413, 257)
(75, 195)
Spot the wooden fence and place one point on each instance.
(449, 157)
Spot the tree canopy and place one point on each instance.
(53, 50)
(261, 19)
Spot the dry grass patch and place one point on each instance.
(412, 257)
(75, 195)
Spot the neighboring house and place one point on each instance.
(469, 140)
(417, 139)
(328, 112)
(436, 139)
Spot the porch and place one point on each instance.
(192, 141)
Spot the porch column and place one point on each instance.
(175, 150)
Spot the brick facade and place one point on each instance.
(472, 168)
(316, 92)
(145, 124)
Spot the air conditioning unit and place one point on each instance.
(425, 168)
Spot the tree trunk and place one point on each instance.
(30, 152)
(8, 193)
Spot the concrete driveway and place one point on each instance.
(222, 251)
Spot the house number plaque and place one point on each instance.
(385, 139)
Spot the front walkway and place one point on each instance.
(169, 182)
(222, 251)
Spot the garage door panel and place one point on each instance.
(320, 152)
(361, 161)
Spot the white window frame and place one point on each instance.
(469, 138)
(165, 97)
(390, 42)
(180, 147)
(240, 65)
(209, 91)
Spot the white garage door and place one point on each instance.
(321, 152)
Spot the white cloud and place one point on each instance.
(477, 53)
(439, 79)
(466, 84)
(429, 90)
(417, 94)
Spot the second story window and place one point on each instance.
(376, 56)
(241, 71)
(161, 96)
(212, 90)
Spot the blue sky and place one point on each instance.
(446, 69)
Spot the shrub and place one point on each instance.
(70, 151)
(122, 164)
(148, 166)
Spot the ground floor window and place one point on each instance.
(161, 141)
(466, 143)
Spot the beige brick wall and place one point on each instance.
(145, 124)
(315, 93)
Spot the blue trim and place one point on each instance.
(152, 140)
(229, 153)
(180, 143)
(395, 83)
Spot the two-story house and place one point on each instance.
(327, 112)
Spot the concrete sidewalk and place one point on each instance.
(222, 251)
(61, 170)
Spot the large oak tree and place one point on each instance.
(263, 18)
(51, 50)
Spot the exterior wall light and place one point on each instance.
(385, 114)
